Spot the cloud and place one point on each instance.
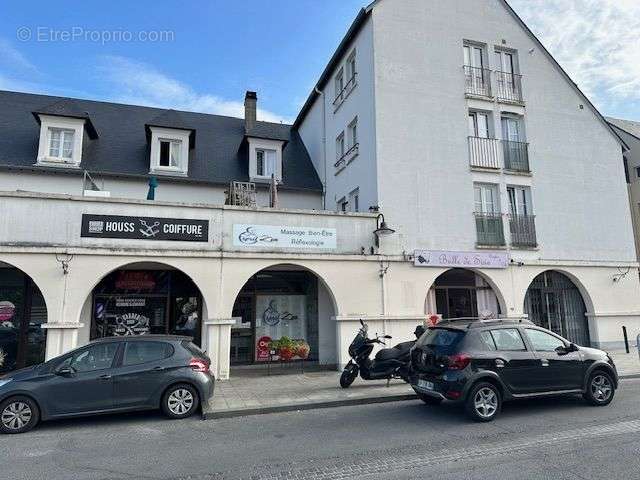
(142, 84)
(596, 41)
(12, 59)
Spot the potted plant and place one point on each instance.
(285, 347)
(302, 349)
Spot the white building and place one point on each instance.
(503, 183)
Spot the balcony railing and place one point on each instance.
(477, 81)
(489, 229)
(523, 230)
(342, 95)
(509, 86)
(484, 152)
(347, 156)
(516, 156)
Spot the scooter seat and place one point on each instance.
(396, 352)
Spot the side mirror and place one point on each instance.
(573, 347)
(65, 372)
(562, 350)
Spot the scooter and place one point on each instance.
(388, 363)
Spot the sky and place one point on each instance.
(202, 56)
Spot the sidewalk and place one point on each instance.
(250, 394)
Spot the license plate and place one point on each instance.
(425, 384)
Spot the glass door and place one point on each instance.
(242, 336)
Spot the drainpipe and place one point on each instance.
(324, 147)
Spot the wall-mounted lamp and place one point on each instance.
(622, 273)
(381, 229)
(64, 260)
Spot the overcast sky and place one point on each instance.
(202, 56)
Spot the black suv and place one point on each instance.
(114, 374)
(481, 363)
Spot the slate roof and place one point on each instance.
(121, 148)
(628, 126)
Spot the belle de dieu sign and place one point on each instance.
(440, 258)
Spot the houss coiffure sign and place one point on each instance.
(144, 228)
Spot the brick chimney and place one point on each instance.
(250, 107)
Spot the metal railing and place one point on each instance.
(523, 230)
(352, 151)
(477, 80)
(489, 229)
(509, 86)
(484, 152)
(516, 155)
(341, 95)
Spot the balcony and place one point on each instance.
(509, 87)
(484, 152)
(347, 157)
(477, 81)
(523, 230)
(516, 156)
(489, 229)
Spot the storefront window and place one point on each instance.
(138, 302)
(22, 312)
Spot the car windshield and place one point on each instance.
(441, 338)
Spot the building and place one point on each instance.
(444, 164)
(629, 131)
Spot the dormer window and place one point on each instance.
(265, 159)
(265, 163)
(169, 151)
(61, 144)
(60, 141)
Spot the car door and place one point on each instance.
(141, 373)
(82, 382)
(558, 370)
(514, 363)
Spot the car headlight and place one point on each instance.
(4, 381)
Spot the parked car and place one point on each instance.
(113, 374)
(482, 363)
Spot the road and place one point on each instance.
(550, 439)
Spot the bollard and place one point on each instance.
(626, 339)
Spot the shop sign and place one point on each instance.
(144, 228)
(135, 280)
(272, 236)
(7, 311)
(440, 258)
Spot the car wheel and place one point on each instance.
(180, 401)
(484, 402)
(18, 415)
(600, 389)
(428, 399)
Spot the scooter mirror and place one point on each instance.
(361, 322)
(387, 336)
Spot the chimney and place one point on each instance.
(250, 107)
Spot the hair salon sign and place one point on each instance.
(440, 258)
(277, 237)
(144, 228)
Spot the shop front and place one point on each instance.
(22, 312)
(146, 301)
(277, 316)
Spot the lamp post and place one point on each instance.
(381, 229)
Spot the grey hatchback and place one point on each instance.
(114, 374)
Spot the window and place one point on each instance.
(170, 153)
(478, 124)
(543, 341)
(638, 172)
(505, 62)
(519, 201)
(343, 205)
(97, 357)
(486, 341)
(339, 83)
(137, 353)
(351, 67)
(512, 129)
(352, 131)
(486, 198)
(266, 163)
(473, 56)
(354, 200)
(340, 146)
(508, 339)
(61, 144)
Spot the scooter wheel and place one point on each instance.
(347, 377)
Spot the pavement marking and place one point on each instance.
(372, 466)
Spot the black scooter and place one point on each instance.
(388, 363)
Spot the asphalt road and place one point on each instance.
(555, 439)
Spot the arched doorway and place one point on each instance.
(459, 293)
(22, 313)
(553, 301)
(146, 298)
(283, 301)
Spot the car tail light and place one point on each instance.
(199, 365)
(458, 361)
(453, 394)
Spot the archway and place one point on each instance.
(460, 293)
(146, 298)
(279, 301)
(554, 301)
(22, 312)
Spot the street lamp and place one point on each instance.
(381, 229)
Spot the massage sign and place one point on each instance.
(144, 228)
